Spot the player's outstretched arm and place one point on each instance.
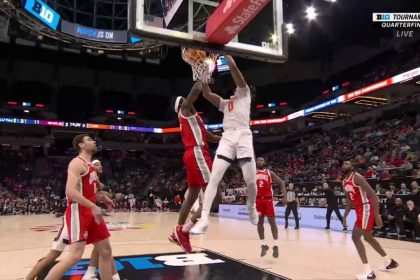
(76, 168)
(213, 138)
(237, 76)
(349, 206)
(192, 96)
(361, 181)
(281, 183)
(213, 98)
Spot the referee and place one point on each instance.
(332, 205)
(292, 206)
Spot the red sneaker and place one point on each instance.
(172, 238)
(183, 239)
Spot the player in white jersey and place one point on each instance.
(236, 143)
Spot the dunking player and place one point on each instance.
(197, 162)
(236, 143)
(363, 198)
(83, 218)
(265, 204)
(62, 240)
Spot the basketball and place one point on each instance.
(192, 54)
(119, 197)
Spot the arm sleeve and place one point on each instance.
(223, 104)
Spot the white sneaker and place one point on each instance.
(253, 214)
(200, 227)
(366, 276)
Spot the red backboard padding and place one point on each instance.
(230, 17)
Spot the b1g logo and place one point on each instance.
(43, 12)
(140, 263)
(383, 17)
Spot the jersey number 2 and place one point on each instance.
(260, 184)
(230, 106)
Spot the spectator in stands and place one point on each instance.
(379, 190)
(158, 203)
(392, 188)
(371, 172)
(396, 216)
(403, 189)
(415, 194)
(411, 217)
(177, 201)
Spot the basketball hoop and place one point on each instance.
(202, 64)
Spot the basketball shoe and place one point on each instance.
(183, 239)
(200, 227)
(366, 276)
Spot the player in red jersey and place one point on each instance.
(83, 218)
(197, 162)
(363, 198)
(62, 240)
(265, 204)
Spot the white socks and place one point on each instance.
(368, 268)
(387, 259)
(187, 226)
(274, 242)
(90, 272)
(263, 242)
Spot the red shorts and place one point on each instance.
(265, 206)
(365, 217)
(81, 225)
(198, 164)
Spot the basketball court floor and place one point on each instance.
(230, 250)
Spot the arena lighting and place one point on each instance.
(270, 105)
(311, 13)
(304, 112)
(26, 104)
(273, 112)
(259, 106)
(120, 112)
(119, 118)
(345, 84)
(131, 113)
(12, 102)
(290, 29)
(273, 38)
(326, 91)
(109, 111)
(26, 111)
(39, 105)
(283, 103)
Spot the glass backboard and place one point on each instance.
(183, 23)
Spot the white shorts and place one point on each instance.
(61, 241)
(236, 144)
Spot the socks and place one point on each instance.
(387, 259)
(187, 226)
(274, 242)
(368, 268)
(263, 242)
(90, 272)
(115, 277)
(205, 215)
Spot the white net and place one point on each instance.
(202, 64)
